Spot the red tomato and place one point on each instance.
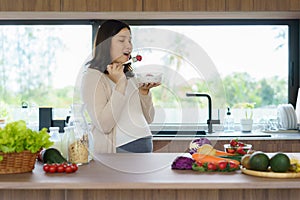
(211, 166)
(60, 168)
(241, 144)
(52, 168)
(241, 151)
(232, 165)
(222, 165)
(68, 169)
(234, 142)
(139, 57)
(74, 167)
(46, 168)
(230, 150)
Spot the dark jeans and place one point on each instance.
(142, 145)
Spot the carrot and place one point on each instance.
(223, 153)
(203, 158)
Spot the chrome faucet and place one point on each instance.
(210, 121)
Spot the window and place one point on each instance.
(39, 64)
(237, 62)
(234, 61)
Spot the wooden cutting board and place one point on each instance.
(270, 174)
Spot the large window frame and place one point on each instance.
(294, 43)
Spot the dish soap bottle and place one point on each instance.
(228, 122)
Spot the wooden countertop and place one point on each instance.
(140, 171)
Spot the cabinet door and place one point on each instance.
(239, 5)
(294, 5)
(184, 5)
(101, 5)
(215, 5)
(29, 5)
(271, 5)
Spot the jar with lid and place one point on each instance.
(78, 146)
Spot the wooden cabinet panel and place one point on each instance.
(184, 5)
(30, 5)
(239, 5)
(271, 5)
(174, 5)
(175, 146)
(215, 5)
(294, 5)
(101, 5)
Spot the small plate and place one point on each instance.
(282, 116)
(293, 116)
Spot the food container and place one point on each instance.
(78, 147)
(149, 77)
(230, 149)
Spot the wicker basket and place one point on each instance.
(14, 163)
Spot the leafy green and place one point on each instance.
(16, 137)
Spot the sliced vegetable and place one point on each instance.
(182, 162)
(233, 157)
(196, 143)
(202, 158)
(207, 149)
(223, 153)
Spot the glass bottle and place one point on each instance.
(55, 137)
(228, 122)
(25, 112)
(64, 142)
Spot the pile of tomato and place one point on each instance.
(60, 168)
(222, 166)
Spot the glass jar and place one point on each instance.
(78, 146)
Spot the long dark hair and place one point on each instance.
(101, 50)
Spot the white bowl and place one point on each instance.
(149, 77)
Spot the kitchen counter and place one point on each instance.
(176, 138)
(189, 131)
(143, 176)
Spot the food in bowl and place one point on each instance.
(149, 77)
(242, 150)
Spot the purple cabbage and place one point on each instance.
(182, 162)
(196, 143)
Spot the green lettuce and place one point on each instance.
(17, 137)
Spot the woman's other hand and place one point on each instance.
(115, 71)
(116, 74)
(145, 87)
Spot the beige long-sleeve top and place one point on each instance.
(105, 106)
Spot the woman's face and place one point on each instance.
(121, 46)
